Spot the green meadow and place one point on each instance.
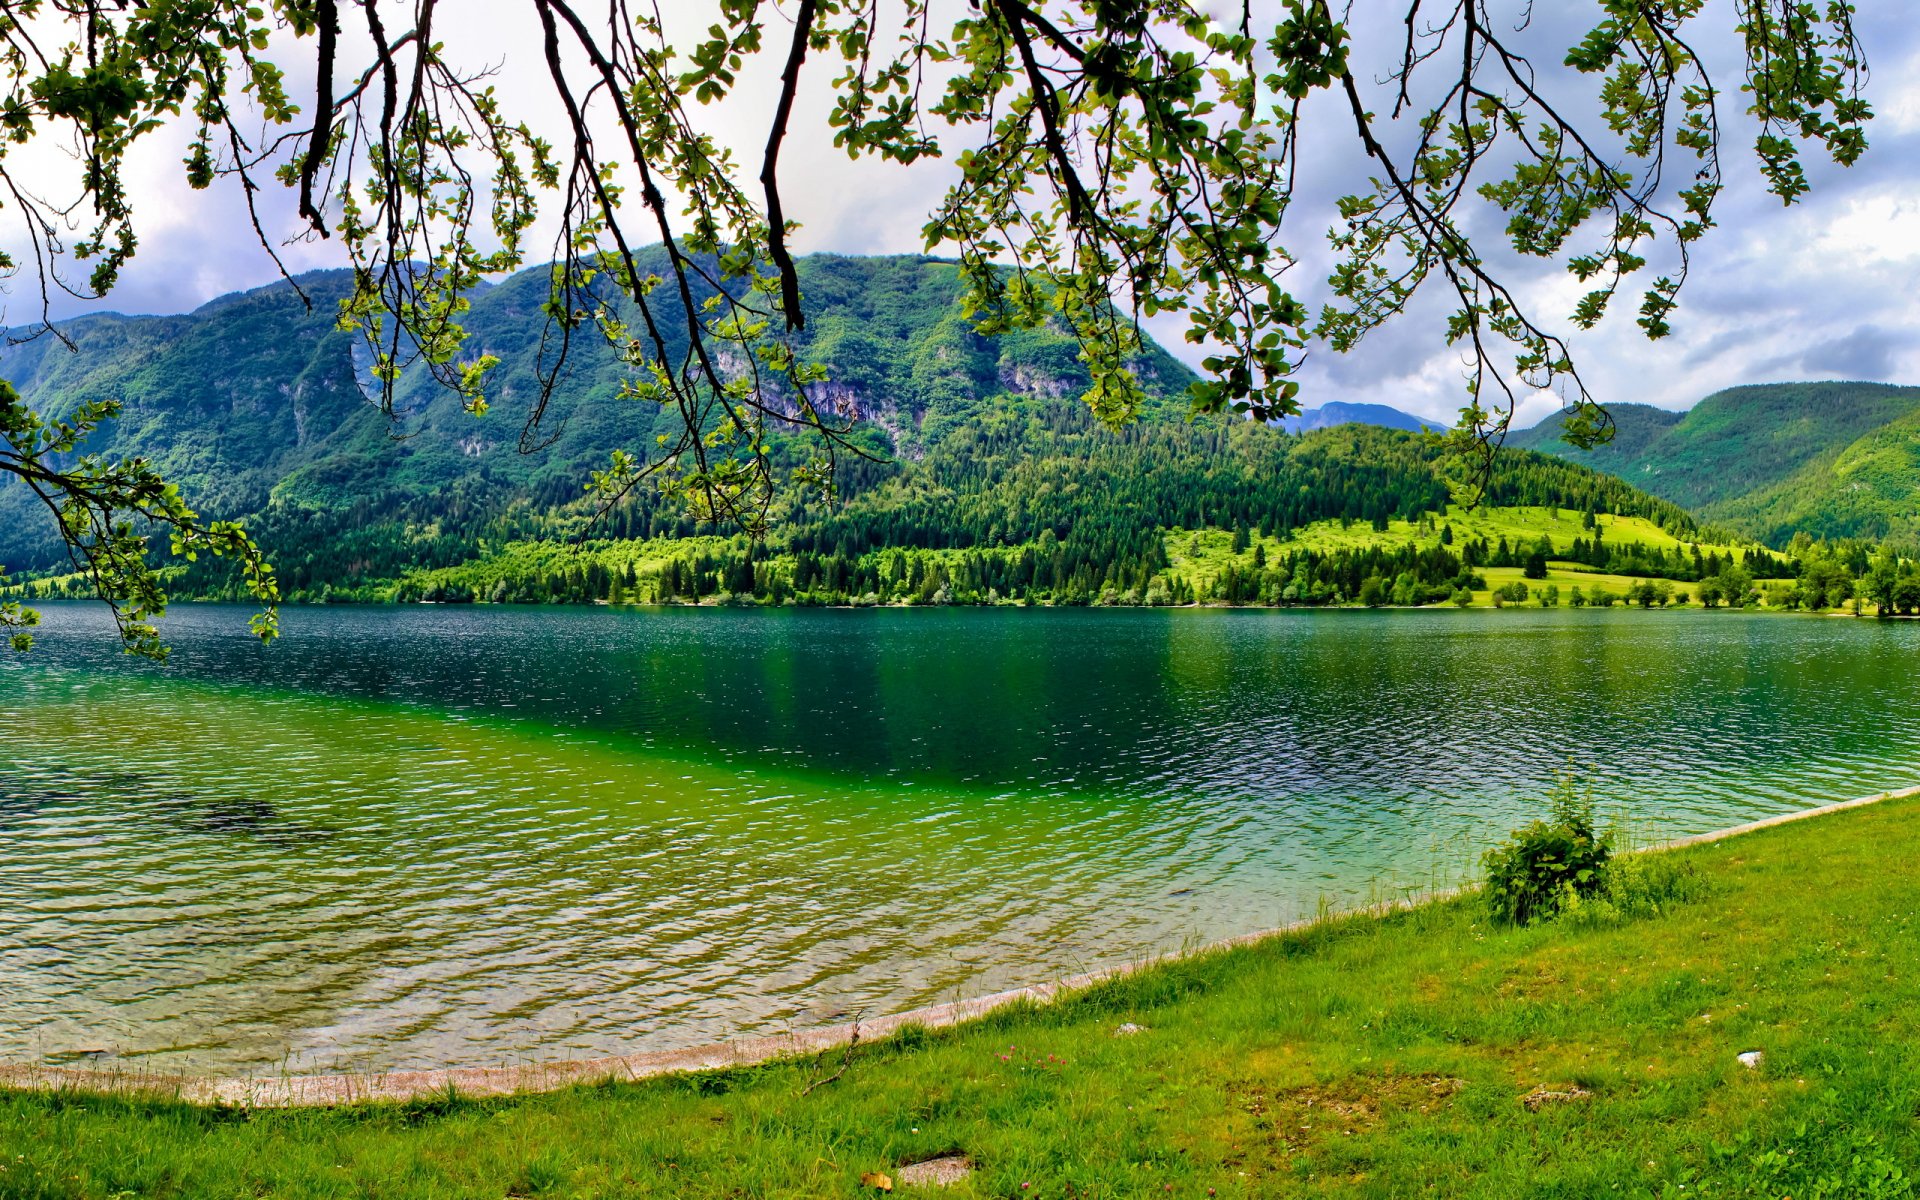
(1199, 557)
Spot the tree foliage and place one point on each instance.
(96, 502)
(1116, 160)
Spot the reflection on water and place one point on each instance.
(415, 837)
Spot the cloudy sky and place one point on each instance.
(1827, 289)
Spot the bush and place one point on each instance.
(1534, 874)
(1564, 868)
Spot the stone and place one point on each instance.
(1540, 1097)
(1129, 1029)
(936, 1172)
(1751, 1059)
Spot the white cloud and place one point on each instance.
(1897, 95)
(1825, 285)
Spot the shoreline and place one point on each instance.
(958, 606)
(326, 1090)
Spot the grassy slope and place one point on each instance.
(1517, 524)
(1835, 459)
(1566, 576)
(1363, 1058)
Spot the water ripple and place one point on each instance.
(418, 837)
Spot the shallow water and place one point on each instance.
(414, 837)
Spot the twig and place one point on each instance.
(846, 1060)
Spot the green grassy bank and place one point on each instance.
(1378, 1057)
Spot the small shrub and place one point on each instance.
(1646, 885)
(1562, 868)
(1534, 873)
(1632, 886)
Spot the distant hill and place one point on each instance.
(1339, 412)
(256, 406)
(1870, 488)
(1635, 428)
(1833, 459)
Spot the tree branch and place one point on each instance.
(329, 18)
(770, 169)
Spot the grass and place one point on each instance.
(1365, 1057)
(1199, 556)
(1567, 576)
(1571, 575)
(1516, 523)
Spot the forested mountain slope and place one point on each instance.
(1832, 459)
(252, 404)
(1636, 427)
(1870, 488)
(255, 400)
(1038, 504)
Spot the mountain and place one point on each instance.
(1870, 489)
(1770, 460)
(1635, 427)
(256, 399)
(1340, 412)
(254, 404)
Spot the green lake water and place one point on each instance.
(419, 837)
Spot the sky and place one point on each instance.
(1826, 289)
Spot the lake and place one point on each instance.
(430, 836)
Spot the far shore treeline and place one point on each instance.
(1044, 506)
